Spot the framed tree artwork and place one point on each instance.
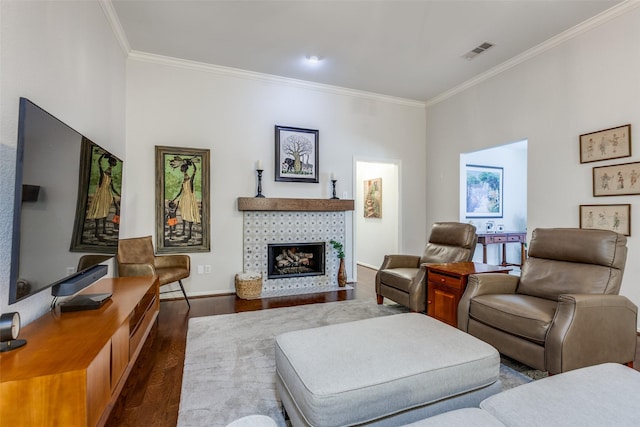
(97, 220)
(484, 192)
(182, 200)
(296, 154)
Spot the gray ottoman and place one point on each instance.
(384, 371)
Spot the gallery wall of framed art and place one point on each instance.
(611, 180)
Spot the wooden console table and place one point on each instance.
(503, 239)
(75, 364)
(447, 282)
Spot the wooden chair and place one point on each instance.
(136, 257)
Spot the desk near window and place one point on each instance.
(503, 238)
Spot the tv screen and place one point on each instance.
(67, 200)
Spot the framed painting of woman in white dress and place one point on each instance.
(97, 221)
(182, 200)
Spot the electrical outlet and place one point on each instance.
(200, 269)
(207, 269)
(71, 270)
(345, 194)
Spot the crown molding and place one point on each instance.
(252, 75)
(116, 26)
(571, 33)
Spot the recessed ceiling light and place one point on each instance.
(313, 59)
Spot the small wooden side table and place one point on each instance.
(503, 239)
(447, 282)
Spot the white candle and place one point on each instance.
(333, 176)
(259, 165)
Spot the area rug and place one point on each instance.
(229, 368)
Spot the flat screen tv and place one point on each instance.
(66, 204)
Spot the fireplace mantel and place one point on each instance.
(276, 204)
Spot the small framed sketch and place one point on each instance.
(616, 180)
(606, 144)
(296, 154)
(606, 217)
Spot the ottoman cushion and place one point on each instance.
(360, 371)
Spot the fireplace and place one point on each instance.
(292, 228)
(286, 260)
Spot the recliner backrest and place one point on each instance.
(450, 242)
(137, 250)
(573, 261)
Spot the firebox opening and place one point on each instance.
(296, 260)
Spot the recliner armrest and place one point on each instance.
(400, 261)
(173, 261)
(126, 269)
(591, 329)
(483, 284)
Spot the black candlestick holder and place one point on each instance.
(333, 183)
(259, 182)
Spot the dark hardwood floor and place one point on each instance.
(151, 395)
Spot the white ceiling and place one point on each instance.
(407, 49)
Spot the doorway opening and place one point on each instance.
(498, 177)
(377, 211)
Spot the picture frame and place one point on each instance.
(182, 200)
(97, 220)
(373, 198)
(484, 191)
(607, 217)
(297, 154)
(612, 143)
(616, 180)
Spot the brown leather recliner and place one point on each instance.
(564, 311)
(136, 257)
(402, 278)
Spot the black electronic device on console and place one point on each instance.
(85, 302)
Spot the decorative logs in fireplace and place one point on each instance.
(296, 259)
(289, 258)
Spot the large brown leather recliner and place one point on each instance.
(402, 278)
(564, 311)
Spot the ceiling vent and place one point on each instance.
(477, 51)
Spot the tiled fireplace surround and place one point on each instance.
(263, 226)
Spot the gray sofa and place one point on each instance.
(598, 396)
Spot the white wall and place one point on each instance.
(585, 84)
(176, 103)
(376, 237)
(64, 57)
